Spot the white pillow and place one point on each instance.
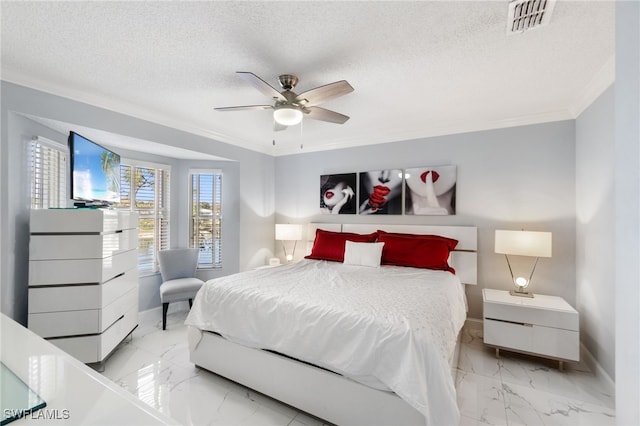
(363, 254)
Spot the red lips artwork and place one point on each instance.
(434, 176)
(430, 190)
(337, 193)
(377, 197)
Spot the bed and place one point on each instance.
(348, 343)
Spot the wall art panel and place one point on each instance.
(430, 190)
(380, 192)
(338, 193)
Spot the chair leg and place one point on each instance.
(165, 308)
(190, 303)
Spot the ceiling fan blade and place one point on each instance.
(261, 85)
(322, 114)
(244, 108)
(324, 93)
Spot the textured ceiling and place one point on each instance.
(418, 68)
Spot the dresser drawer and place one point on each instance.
(73, 221)
(81, 271)
(89, 246)
(535, 339)
(114, 335)
(118, 307)
(66, 323)
(81, 297)
(127, 220)
(95, 348)
(80, 322)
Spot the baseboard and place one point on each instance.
(473, 321)
(597, 369)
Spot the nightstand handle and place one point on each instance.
(511, 322)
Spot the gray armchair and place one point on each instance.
(178, 269)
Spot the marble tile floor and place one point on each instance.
(510, 390)
(517, 389)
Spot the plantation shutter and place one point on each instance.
(164, 193)
(217, 196)
(206, 216)
(145, 205)
(145, 189)
(48, 181)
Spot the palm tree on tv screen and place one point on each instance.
(110, 166)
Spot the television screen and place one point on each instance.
(95, 171)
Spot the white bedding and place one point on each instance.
(392, 325)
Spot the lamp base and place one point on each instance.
(520, 293)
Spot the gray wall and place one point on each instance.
(627, 212)
(595, 226)
(247, 192)
(517, 178)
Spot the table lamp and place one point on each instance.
(523, 243)
(288, 232)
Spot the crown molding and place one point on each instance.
(422, 133)
(383, 135)
(604, 78)
(126, 109)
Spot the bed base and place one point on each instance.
(317, 391)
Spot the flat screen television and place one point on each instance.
(95, 172)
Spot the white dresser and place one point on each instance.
(83, 279)
(542, 325)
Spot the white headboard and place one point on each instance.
(464, 259)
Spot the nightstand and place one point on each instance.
(543, 325)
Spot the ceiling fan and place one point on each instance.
(289, 107)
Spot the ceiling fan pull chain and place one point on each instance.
(301, 124)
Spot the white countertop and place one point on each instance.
(75, 394)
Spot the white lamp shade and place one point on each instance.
(523, 243)
(288, 232)
(287, 116)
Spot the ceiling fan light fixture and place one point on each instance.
(287, 115)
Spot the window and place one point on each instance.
(205, 207)
(48, 186)
(145, 189)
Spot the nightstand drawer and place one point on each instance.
(508, 335)
(547, 341)
(522, 313)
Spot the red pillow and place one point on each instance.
(330, 245)
(450, 241)
(429, 253)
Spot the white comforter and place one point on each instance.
(395, 324)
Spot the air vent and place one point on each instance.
(528, 14)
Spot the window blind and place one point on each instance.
(48, 180)
(205, 224)
(145, 190)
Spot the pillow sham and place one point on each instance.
(329, 245)
(450, 241)
(429, 253)
(363, 254)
